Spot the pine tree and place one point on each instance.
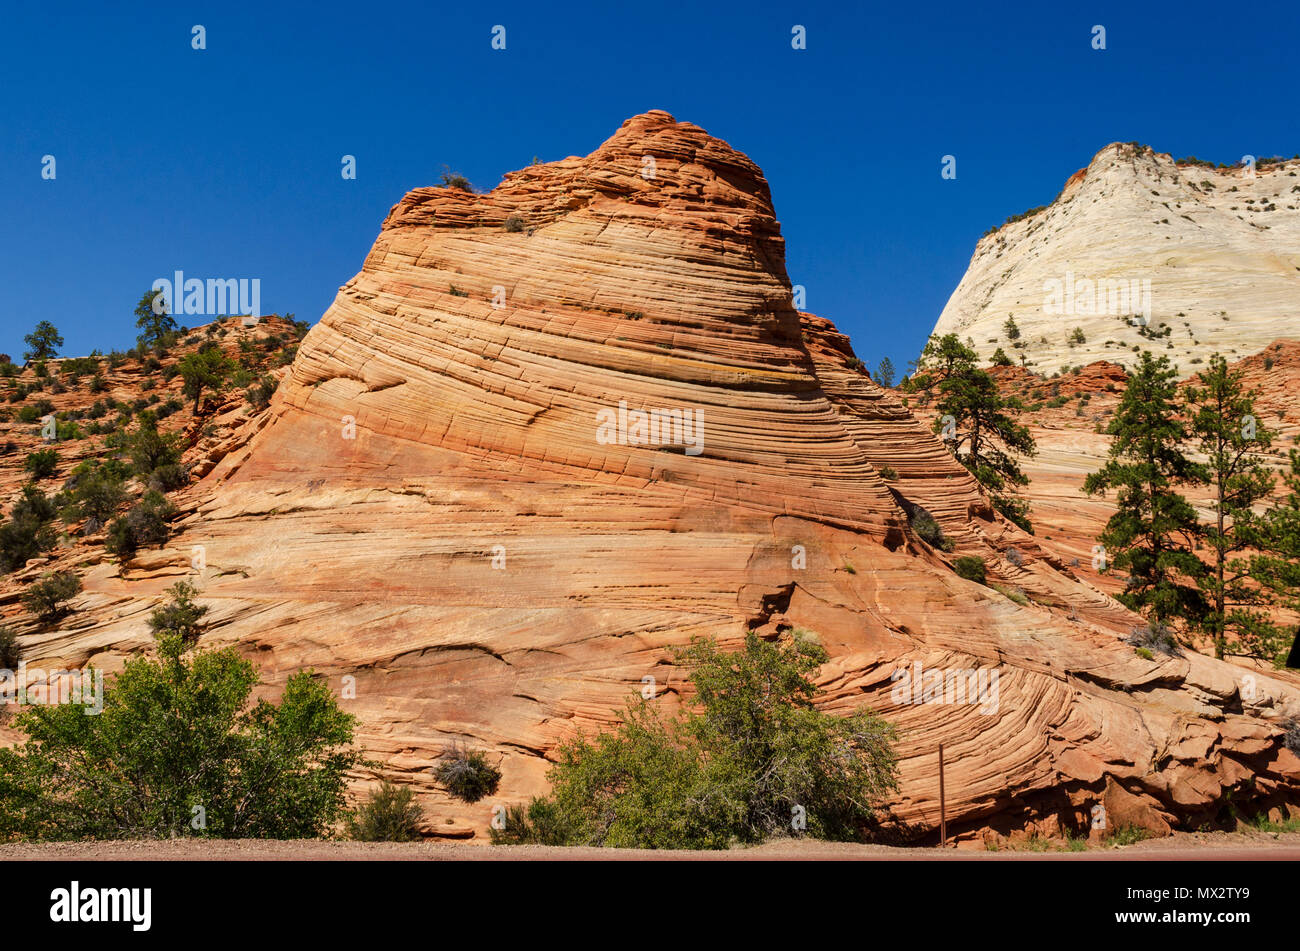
(885, 373)
(1276, 566)
(977, 425)
(1154, 528)
(153, 318)
(1223, 421)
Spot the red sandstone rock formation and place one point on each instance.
(427, 512)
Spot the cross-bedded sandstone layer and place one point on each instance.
(1140, 251)
(430, 511)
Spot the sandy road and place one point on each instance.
(1212, 846)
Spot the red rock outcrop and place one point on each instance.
(431, 515)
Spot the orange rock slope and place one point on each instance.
(440, 503)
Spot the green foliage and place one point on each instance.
(177, 751)
(27, 532)
(888, 473)
(970, 567)
(1011, 329)
(204, 369)
(259, 395)
(42, 463)
(10, 653)
(154, 320)
(180, 617)
(94, 492)
(1231, 438)
(885, 373)
(929, 530)
(756, 760)
(145, 524)
(44, 342)
(451, 179)
(1153, 530)
(467, 774)
(514, 224)
(977, 424)
(1000, 358)
(390, 814)
(1076, 337)
(150, 448)
(1276, 568)
(48, 598)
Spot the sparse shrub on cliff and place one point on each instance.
(455, 291)
(389, 814)
(514, 224)
(1000, 358)
(181, 726)
(1154, 637)
(42, 463)
(94, 492)
(10, 653)
(144, 525)
(180, 616)
(1011, 329)
(888, 473)
(27, 532)
(149, 447)
(756, 759)
(467, 774)
(928, 530)
(48, 598)
(970, 567)
(170, 477)
(259, 395)
(451, 179)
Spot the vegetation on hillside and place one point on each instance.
(754, 759)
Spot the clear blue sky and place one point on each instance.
(226, 162)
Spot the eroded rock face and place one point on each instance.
(429, 510)
(1211, 254)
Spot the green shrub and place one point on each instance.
(259, 395)
(180, 616)
(928, 530)
(970, 567)
(1012, 594)
(514, 224)
(389, 814)
(42, 463)
(144, 525)
(10, 653)
(95, 492)
(756, 759)
(150, 448)
(177, 733)
(170, 477)
(48, 598)
(27, 532)
(467, 775)
(1154, 637)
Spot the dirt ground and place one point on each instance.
(1191, 846)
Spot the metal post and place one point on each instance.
(943, 805)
